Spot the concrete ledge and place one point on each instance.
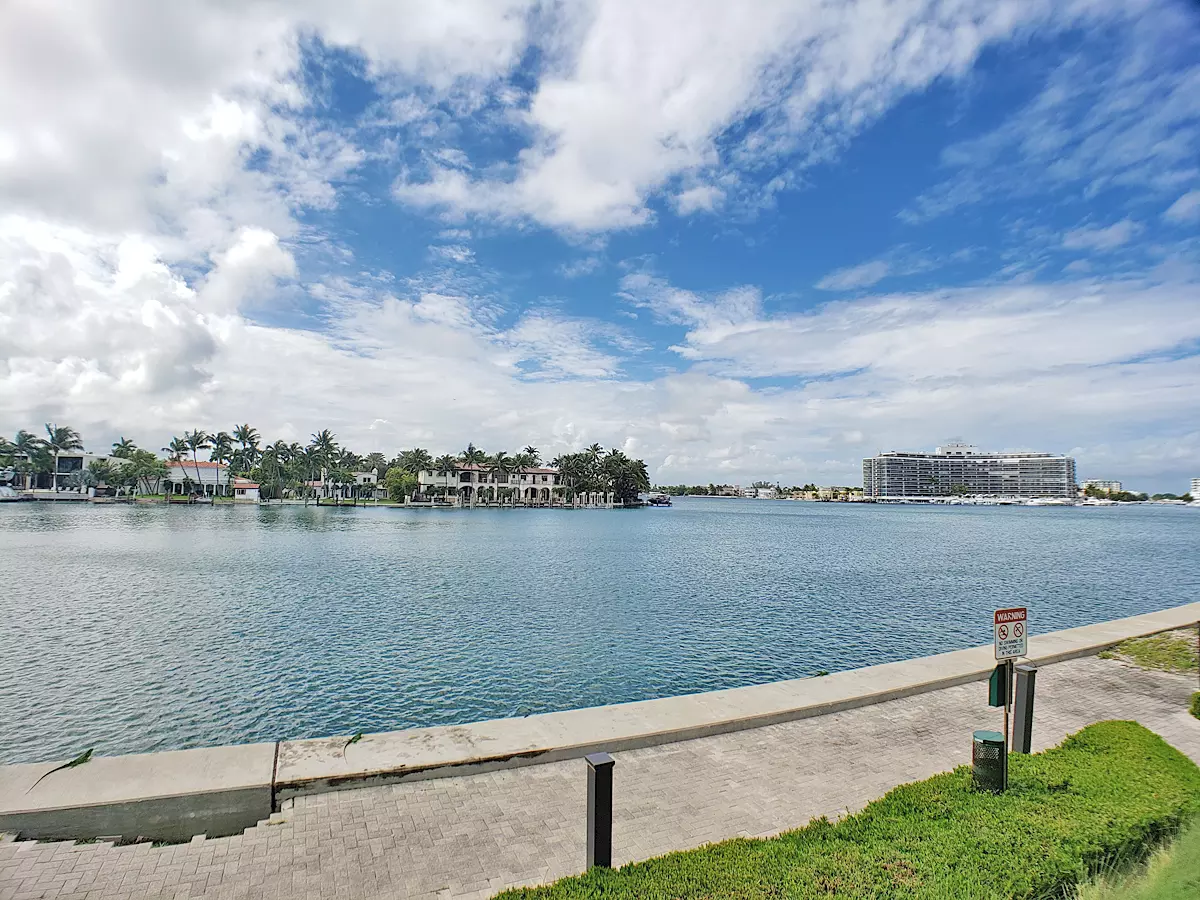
(223, 790)
(315, 766)
(168, 796)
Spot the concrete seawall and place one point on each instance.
(223, 790)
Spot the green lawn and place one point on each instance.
(1173, 873)
(1174, 651)
(1110, 792)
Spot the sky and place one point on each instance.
(742, 241)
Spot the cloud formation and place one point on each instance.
(173, 254)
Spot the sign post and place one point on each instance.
(1011, 628)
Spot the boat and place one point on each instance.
(657, 498)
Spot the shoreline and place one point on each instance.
(173, 795)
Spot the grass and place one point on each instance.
(1172, 873)
(1194, 708)
(1174, 651)
(1111, 792)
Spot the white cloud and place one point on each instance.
(587, 265)
(457, 253)
(555, 346)
(157, 161)
(1095, 238)
(1185, 209)
(854, 277)
(638, 97)
(1105, 118)
(981, 333)
(703, 197)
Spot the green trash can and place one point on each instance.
(989, 762)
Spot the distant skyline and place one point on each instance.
(739, 241)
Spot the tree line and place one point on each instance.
(283, 469)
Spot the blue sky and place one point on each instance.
(741, 241)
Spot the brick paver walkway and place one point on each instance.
(472, 836)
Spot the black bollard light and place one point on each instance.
(599, 809)
(1023, 709)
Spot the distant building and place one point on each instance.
(966, 470)
(760, 493)
(245, 489)
(1109, 487)
(729, 490)
(200, 477)
(1195, 491)
(67, 474)
(533, 485)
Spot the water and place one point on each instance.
(150, 627)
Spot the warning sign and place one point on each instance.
(1012, 633)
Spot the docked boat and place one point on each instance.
(657, 498)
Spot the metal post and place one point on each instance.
(1023, 709)
(599, 809)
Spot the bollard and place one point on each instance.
(599, 809)
(1023, 709)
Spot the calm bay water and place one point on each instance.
(149, 627)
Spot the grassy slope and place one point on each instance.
(1108, 792)
(1174, 651)
(1173, 874)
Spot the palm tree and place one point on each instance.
(416, 460)
(500, 464)
(246, 436)
(124, 448)
(473, 456)
(31, 447)
(446, 464)
(322, 450)
(220, 447)
(196, 441)
(176, 450)
(535, 454)
(520, 463)
(61, 438)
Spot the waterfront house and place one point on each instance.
(66, 477)
(185, 477)
(364, 486)
(245, 489)
(535, 485)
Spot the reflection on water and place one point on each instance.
(151, 627)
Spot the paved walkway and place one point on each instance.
(475, 835)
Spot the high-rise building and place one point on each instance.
(968, 471)
(1109, 487)
(1195, 492)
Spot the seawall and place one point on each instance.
(222, 790)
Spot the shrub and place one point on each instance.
(1109, 792)
(1195, 707)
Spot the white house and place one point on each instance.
(68, 472)
(365, 485)
(245, 489)
(201, 477)
(760, 493)
(473, 483)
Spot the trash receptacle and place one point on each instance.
(989, 762)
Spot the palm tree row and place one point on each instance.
(292, 469)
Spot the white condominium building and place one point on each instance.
(967, 470)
